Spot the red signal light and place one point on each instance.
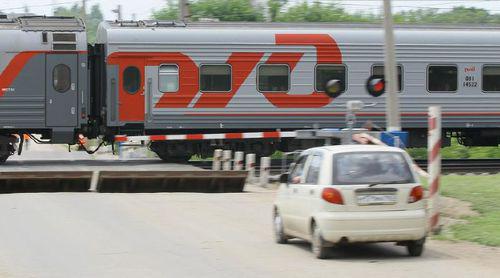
(375, 86)
(379, 86)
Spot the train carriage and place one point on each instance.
(155, 78)
(167, 78)
(43, 81)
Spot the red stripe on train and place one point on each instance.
(17, 64)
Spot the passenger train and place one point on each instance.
(154, 77)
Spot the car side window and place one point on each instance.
(314, 169)
(298, 170)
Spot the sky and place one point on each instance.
(141, 9)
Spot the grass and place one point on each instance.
(484, 194)
(457, 151)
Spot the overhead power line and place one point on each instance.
(44, 5)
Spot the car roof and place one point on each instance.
(354, 148)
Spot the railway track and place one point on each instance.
(448, 165)
(466, 165)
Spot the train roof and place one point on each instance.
(171, 32)
(43, 23)
(145, 24)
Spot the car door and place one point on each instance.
(307, 193)
(291, 209)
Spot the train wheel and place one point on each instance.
(7, 147)
(3, 159)
(173, 159)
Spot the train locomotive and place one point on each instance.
(157, 77)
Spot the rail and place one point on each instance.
(448, 165)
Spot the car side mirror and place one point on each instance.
(284, 178)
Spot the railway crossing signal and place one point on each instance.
(375, 86)
(333, 88)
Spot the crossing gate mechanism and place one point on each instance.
(215, 136)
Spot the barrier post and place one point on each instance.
(226, 160)
(250, 167)
(434, 166)
(265, 169)
(238, 161)
(120, 151)
(216, 162)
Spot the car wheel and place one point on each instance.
(279, 231)
(416, 248)
(318, 243)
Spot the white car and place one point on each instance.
(351, 193)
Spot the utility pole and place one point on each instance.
(393, 121)
(118, 12)
(183, 10)
(84, 10)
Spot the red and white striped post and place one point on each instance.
(434, 166)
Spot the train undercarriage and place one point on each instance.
(180, 151)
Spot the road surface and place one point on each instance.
(194, 235)
(188, 235)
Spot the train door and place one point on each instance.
(61, 90)
(131, 92)
(161, 81)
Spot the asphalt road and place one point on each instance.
(194, 235)
(188, 235)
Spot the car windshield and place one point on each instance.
(371, 168)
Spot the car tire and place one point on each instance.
(318, 245)
(279, 231)
(416, 248)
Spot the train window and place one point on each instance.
(274, 78)
(44, 38)
(168, 78)
(325, 73)
(442, 79)
(131, 79)
(491, 79)
(61, 78)
(215, 78)
(379, 71)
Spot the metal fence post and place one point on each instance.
(216, 162)
(226, 160)
(238, 161)
(250, 167)
(265, 169)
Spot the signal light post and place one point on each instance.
(393, 121)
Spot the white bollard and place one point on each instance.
(238, 161)
(265, 171)
(250, 167)
(216, 162)
(226, 160)
(434, 166)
